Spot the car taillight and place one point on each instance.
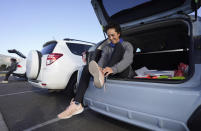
(19, 66)
(84, 57)
(53, 57)
(43, 84)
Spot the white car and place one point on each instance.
(21, 65)
(56, 66)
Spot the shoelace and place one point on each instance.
(69, 109)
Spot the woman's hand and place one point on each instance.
(107, 71)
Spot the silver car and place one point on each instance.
(165, 92)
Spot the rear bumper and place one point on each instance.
(134, 117)
(36, 84)
(19, 75)
(44, 85)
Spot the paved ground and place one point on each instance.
(27, 108)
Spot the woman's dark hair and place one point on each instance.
(114, 26)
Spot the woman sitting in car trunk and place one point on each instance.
(116, 59)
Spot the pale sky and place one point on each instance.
(27, 24)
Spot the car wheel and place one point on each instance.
(54, 91)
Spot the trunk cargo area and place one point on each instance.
(159, 47)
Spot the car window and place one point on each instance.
(77, 49)
(121, 5)
(47, 49)
(122, 11)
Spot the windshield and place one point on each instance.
(122, 11)
(78, 49)
(48, 49)
(113, 6)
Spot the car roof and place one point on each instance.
(69, 41)
(78, 42)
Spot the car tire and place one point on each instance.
(54, 91)
(33, 64)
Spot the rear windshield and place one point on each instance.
(78, 49)
(48, 48)
(127, 10)
(121, 5)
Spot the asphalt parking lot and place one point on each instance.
(26, 108)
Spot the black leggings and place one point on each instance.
(7, 75)
(117, 55)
